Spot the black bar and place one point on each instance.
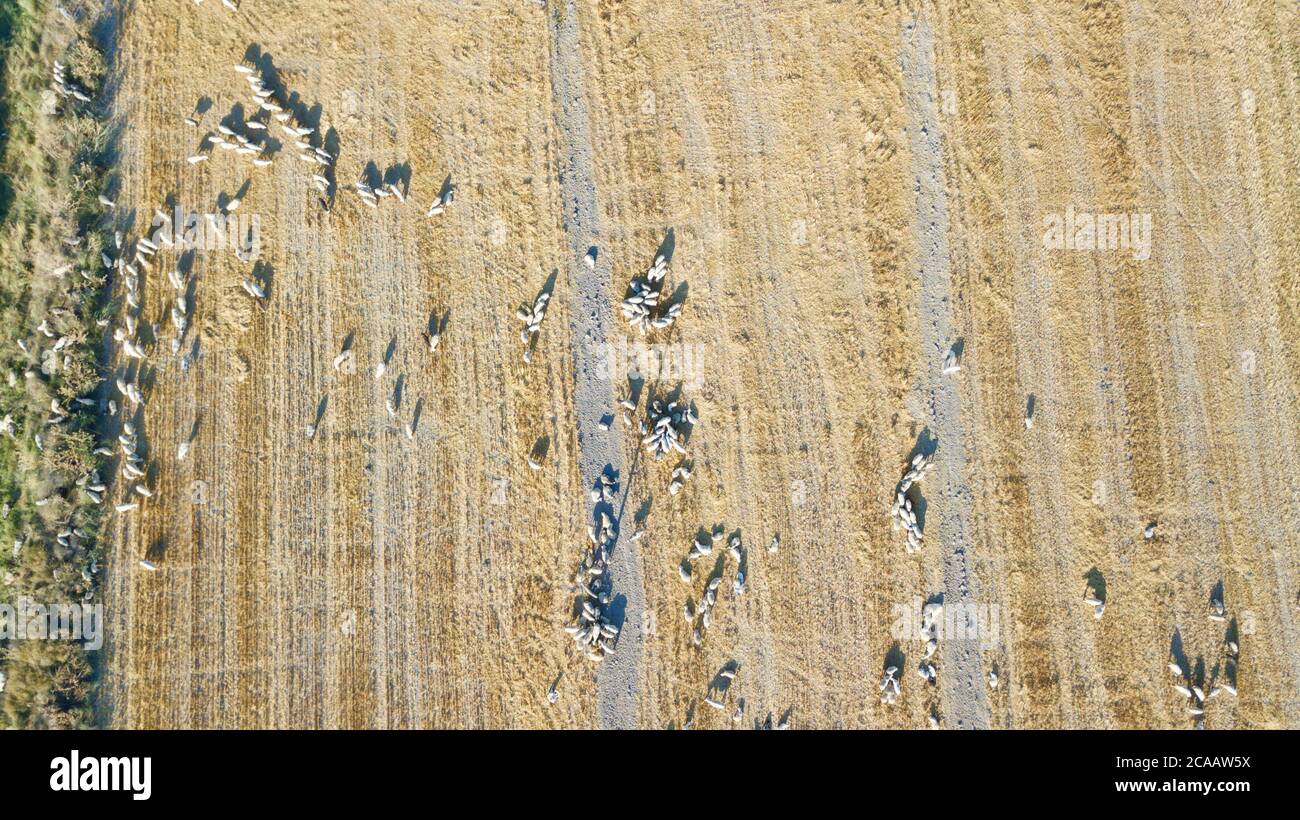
(301, 769)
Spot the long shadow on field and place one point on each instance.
(896, 658)
(617, 612)
(263, 274)
(1097, 582)
(438, 325)
(1176, 651)
(926, 445)
(398, 387)
(541, 448)
(447, 191)
(157, 550)
(1216, 593)
(643, 511)
(415, 414)
(399, 173)
(549, 287)
(667, 247)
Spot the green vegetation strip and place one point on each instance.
(53, 312)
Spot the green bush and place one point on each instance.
(71, 453)
(85, 65)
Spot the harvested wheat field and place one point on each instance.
(1050, 250)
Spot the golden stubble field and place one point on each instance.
(851, 188)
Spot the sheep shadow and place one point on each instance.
(446, 192)
(643, 512)
(549, 287)
(235, 119)
(896, 658)
(635, 384)
(959, 347)
(540, 448)
(1097, 582)
(437, 325)
(371, 176)
(157, 550)
(262, 275)
(398, 387)
(926, 445)
(678, 296)
(415, 414)
(399, 175)
(667, 247)
(616, 614)
(1177, 653)
(719, 567)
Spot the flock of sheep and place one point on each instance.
(667, 428)
(902, 513)
(663, 432)
(61, 324)
(699, 615)
(250, 138)
(593, 632)
(131, 260)
(268, 104)
(1194, 694)
(65, 87)
(642, 306)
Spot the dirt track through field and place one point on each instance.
(948, 508)
(593, 396)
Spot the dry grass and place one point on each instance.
(363, 581)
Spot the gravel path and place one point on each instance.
(948, 494)
(591, 310)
